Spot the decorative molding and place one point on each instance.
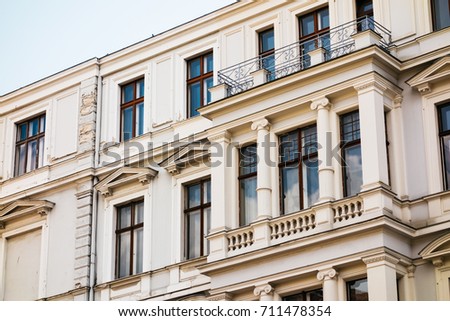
(23, 208)
(260, 124)
(380, 258)
(369, 86)
(398, 100)
(437, 249)
(437, 72)
(265, 289)
(321, 103)
(221, 297)
(411, 269)
(327, 274)
(438, 262)
(424, 88)
(221, 137)
(188, 155)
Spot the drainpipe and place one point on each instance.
(93, 256)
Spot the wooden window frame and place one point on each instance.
(202, 208)
(27, 141)
(316, 24)
(359, 4)
(304, 295)
(295, 162)
(433, 18)
(347, 286)
(132, 103)
(130, 229)
(263, 54)
(442, 134)
(201, 78)
(242, 177)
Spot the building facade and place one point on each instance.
(270, 150)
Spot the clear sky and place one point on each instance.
(41, 37)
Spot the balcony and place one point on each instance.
(301, 55)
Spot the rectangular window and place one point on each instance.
(444, 136)
(441, 14)
(29, 145)
(199, 80)
(351, 153)
(314, 32)
(197, 215)
(248, 166)
(129, 239)
(313, 295)
(299, 169)
(132, 109)
(364, 14)
(357, 290)
(266, 51)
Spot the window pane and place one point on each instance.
(357, 290)
(42, 125)
(127, 123)
(31, 155)
(248, 160)
(138, 250)
(324, 19)
(193, 196)
(33, 127)
(193, 230)
(289, 147)
(309, 140)
(307, 25)
(22, 132)
(441, 14)
(353, 170)
(41, 152)
(124, 217)
(20, 159)
(127, 93)
(267, 40)
(209, 63)
(310, 182)
(446, 152)
(194, 93)
(207, 94)
(140, 89)
(207, 192)
(248, 201)
(124, 254)
(139, 119)
(194, 68)
(139, 213)
(206, 229)
(290, 189)
(350, 127)
(445, 118)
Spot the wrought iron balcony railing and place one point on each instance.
(296, 57)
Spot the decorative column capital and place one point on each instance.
(424, 88)
(398, 100)
(438, 262)
(411, 269)
(327, 274)
(370, 86)
(261, 124)
(265, 289)
(321, 103)
(222, 137)
(380, 258)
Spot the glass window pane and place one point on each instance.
(127, 93)
(446, 152)
(353, 170)
(42, 124)
(193, 230)
(207, 192)
(194, 93)
(290, 189)
(124, 254)
(324, 19)
(41, 152)
(124, 218)
(357, 290)
(31, 155)
(139, 213)
(248, 201)
(140, 89)
(194, 68)
(309, 140)
(22, 132)
(207, 94)
(193, 196)
(445, 118)
(139, 119)
(33, 127)
(209, 63)
(310, 182)
(267, 40)
(206, 229)
(289, 147)
(441, 14)
(138, 250)
(127, 123)
(248, 160)
(307, 25)
(20, 159)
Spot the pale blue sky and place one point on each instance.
(41, 37)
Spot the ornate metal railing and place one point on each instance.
(295, 57)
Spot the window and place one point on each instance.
(266, 51)
(197, 218)
(299, 169)
(132, 109)
(314, 28)
(248, 165)
(441, 14)
(313, 295)
(357, 290)
(199, 80)
(351, 153)
(129, 239)
(364, 14)
(30, 145)
(444, 136)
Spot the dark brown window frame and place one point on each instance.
(316, 24)
(303, 295)
(345, 145)
(28, 140)
(263, 54)
(202, 208)
(442, 134)
(133, 103)
(433, 19)
(347, 286)
(298, 162)
(130, 229)
(201, 78)
(359, 4)
(242, 177)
